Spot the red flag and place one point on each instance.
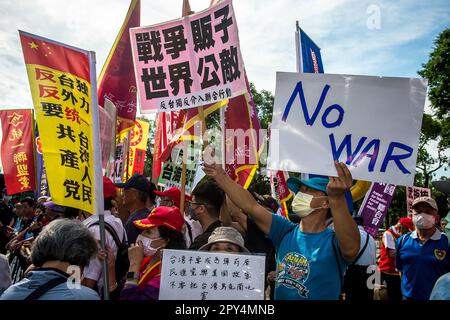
(242, 157)
(117, 81)
(18, 150)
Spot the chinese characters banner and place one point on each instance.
(203, 275)
(42, 184)
(414, 193)
(60, 82)
(172, 168)
(138, 147)
(17, 150)
(189, 62)
(375, 206)
(117, 174)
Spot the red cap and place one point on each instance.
(174, 194)
(169, 217)
(109, 190)
(407, 222)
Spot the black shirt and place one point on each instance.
(130, 228)
(203, 238)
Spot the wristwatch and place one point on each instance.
(132, 276)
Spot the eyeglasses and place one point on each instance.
(165, 200)
(199, 204)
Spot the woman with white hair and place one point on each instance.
(64, 246)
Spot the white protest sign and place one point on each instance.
(370, 123)
(203, 275)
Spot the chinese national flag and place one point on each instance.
(117, 81)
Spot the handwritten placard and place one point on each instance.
(198, 275)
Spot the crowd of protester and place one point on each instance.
(43, 245)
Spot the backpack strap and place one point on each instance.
(189, 229)
(110, 230)
(39, 292)
(362, 250)
(336, 250)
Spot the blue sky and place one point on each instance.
(266, 30)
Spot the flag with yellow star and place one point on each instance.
(61, 78)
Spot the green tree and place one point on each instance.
(427, 165)
(436, 126)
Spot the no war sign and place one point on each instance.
(370, 123)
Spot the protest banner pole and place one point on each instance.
(185, 12)
(98, 180)
(128, 153)
(222, 141)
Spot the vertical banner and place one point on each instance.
(42, 189)
(117, 81)
(117, 173)
(375, 206)
(138, 147)
(414, 193)
(279, 189)
(188, 62)
(241, 140)
(63, 87)
(17, 150)
(106, 138)
(244, 145)
(111, 110)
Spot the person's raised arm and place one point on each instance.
(225, 217)
(241, 197)
(345, 227)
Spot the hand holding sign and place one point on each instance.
(372, 124)
(339, 185)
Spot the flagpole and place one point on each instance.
(128, 152)
(98, 185)
(298, 53)
(186, 10)
(223, 140)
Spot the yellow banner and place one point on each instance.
(138, 147)
(63, 110)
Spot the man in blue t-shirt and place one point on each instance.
(311, 259)
(423, 255)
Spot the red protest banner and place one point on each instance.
(17, 150)
(117, 81)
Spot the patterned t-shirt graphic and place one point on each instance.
(307, 267)
(293, 271)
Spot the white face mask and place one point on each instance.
(423, 220)
(301, 205)
(147, 242)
